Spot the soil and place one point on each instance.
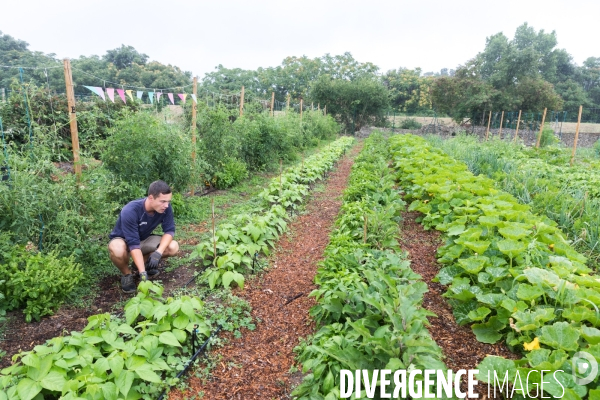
(459, 344)
(257, 365)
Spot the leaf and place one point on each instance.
(28, 389)
(54, 381)
(479, 246)
(492, 299)
(146, 373)
(116, 364)
(511, 248)
(126, 329)
(528, 292)
(590, 334)
(489, 332)
(169, 339)
(446, 274)
(110, 391)
(495, 366)
(560, 335)
(124, 382)
(227, 278)
(514, 232)
(473, 264)
(239, 279)
(479, 314)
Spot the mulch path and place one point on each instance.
(459, 344)
(256, 366)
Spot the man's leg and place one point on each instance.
(119, 255)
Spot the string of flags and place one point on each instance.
(110, 92)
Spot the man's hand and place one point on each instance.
(154, 259)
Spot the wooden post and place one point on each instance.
(318, 106)
(212, 206)
(487, 131)
(365, 230)
(501, 120)
(272, 104)
(288, 103)
(194, 109)
(72, 117)
(325, 109)
(576, 135)
(517, 130)
(301, 110)
(242, 102)
(539, 138)
(312, 106)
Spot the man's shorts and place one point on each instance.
(148, 245)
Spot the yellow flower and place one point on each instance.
(534, 345)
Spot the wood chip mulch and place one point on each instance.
(257, 365)
(459, 344)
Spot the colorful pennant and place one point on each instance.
(97, 90)
(121, 93)
(171, 98)
(111, 94)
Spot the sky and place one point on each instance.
(198, 35)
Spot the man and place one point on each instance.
(132, 235)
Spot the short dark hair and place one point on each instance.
(157, 188)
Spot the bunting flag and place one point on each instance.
(111, 94)
(130, 94)
(121, 93)
(158, 96)
(151, 95)
(194, 97)
(171, 98)
(139, 94)
(182, 96)
(97, 90)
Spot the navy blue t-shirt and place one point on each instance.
(135, 224)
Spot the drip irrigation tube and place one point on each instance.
(196, 354)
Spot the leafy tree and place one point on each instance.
(124, 57)
(409, 91)
(356, 103)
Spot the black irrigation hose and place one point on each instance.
(196, 354)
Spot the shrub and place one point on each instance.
(231, 173)
(36, 282)
(141, 149)
(548, 137)
(410, 123)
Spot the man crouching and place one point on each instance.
(132, 235)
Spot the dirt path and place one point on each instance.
(256, 366)
(458, 343)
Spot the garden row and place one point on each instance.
(140, 355)
(47, 210)
(235, 246)
(510, 273)
(369, 299)
(569, 195)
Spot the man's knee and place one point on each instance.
(117, 249)
(172, 249)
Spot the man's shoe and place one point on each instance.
(127, 284)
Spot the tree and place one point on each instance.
(124, 57)
(355, 103)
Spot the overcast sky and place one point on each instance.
(198, 35)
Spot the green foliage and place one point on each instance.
(141, 149)
(409, 91)
(548, 137)
(356, 103)
(231, 173)
(35, 282)
(113, 358)
(410, 123)
(511, 271)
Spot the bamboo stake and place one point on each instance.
(539, 138)
(272, 104)
(501, 120)
(487, 131)
(212, 205)
(365, 230)
(72, 117)
(576, 135)
(242, 103)
(517, 130)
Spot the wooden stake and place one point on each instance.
(72, 117)
(312, 106)
(272, 104)
(501, 120)
(487, 131)
(212, 206)
(318, 106)
(365, 230)
(539, 138)
(280, 172)
(576, 135)
(325, 109)
(242, 103)
(517, 130)
(194, 110)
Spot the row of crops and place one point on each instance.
(543, 179)
(510, 273)
(369, 299)
(139, 354)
